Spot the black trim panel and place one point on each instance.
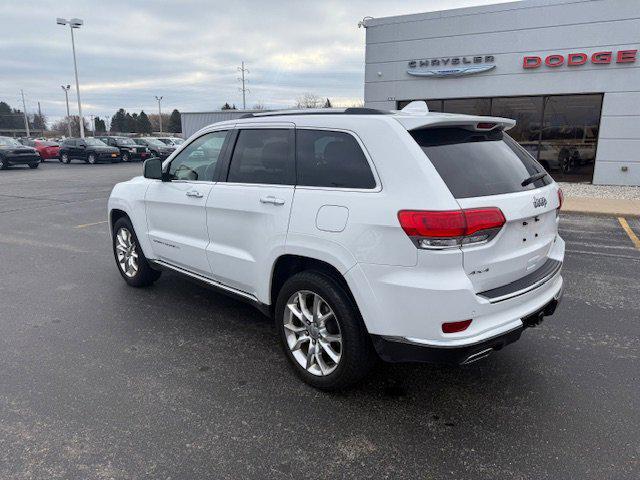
(524, 284)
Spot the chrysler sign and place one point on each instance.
(451, 66)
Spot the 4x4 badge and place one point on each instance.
(539, 202)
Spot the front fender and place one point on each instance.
(129, 197)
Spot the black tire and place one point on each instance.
(64, 158)
(126, 157)
(357, 354)
(92, 159)
(145, 275)
(33, 165)
(3, 164)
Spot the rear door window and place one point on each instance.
(476, 164)
(331, 159)
(263, 156)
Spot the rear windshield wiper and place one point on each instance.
(534, 178)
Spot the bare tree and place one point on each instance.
(309, 100)
(155, 123)
(259, 106)
(60, 127)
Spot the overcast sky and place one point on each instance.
(188, 51)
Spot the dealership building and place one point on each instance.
(566, 70)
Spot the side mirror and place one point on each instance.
(153, 169)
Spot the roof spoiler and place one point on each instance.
(480, 124)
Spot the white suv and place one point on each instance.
(412, 235)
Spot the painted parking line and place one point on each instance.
(625, 226)
(84, 225)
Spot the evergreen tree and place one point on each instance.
(5, 115)
(327, 104)
(100, 125)
(175, 122)
(39, 122)
(144, 125)
(226, 106)
(129, 123)
(118, 121)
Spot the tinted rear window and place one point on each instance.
(475, 164)
(331, 159)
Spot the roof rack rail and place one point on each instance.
(320, 111)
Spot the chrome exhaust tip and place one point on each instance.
(477, 356)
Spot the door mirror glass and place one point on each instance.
(153, 168)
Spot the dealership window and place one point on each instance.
(527, 112)
(470, 106)
(561, 131)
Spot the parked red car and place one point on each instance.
(47, 150)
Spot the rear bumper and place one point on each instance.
(398, 349)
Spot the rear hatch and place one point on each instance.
(483, 167)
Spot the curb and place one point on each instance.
(602, 206)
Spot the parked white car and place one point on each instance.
(412, 235)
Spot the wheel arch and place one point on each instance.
(287, 265)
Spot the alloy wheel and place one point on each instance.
(91, 158)
(312, 333)
(125, 157)
(126, 252)
(64, 158)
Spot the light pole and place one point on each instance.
(66, 96)
(159, 99)
(75, 23)
(26, 120)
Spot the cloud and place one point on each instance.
(188, 51)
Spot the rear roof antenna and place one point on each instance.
(417, 107)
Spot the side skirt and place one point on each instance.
(214, 285)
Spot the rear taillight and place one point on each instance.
(451, 228)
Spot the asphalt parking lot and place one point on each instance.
(100, 381)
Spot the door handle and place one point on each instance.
(194, 194)
(272, 200)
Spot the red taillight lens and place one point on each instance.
(432, 224)
(560, 198)
(485, 125)
(442, 229)
(454, 327)
(483, 219)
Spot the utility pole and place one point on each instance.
(24, 111)
(244, 90)
(75, 23)
(40, 118)
(66, 96)
(159, 99)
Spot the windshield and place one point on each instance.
(475, 164)
(95, 142)
(9, 142)
(177, 141)
(126, 141)
(155, 142)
